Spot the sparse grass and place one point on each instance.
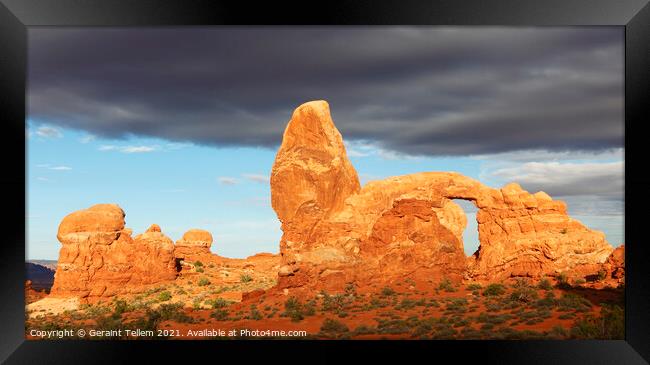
(245, 278)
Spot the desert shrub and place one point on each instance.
(602, 275)
(293, 309)
(255, 314)
(203, 282)
(494, 290)
(579, 281)
(545, 284)
(198, 263)
(217, 303)
(164, 296)
(474, 286)
(199, 269)
(446, 285)
(570, 301)
(562, 281)
(613, 322)
(173, 312)
(586, 328)
(350, 289)
(558, 332)
(387, 291)
(393, 326)
(433, 303)
(245, 278)
(364, 330)
(456, 305)
(406, 304)
(547, 302)
(520, 283)
(335, 303)
(524, 294)
(219, 314)
(333, 328)
(121, 306)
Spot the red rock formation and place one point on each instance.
(334, 232)
(614, 266)
(100, 259)
(32, 295)
(194, 244)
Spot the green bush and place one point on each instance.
(474, 286)
(203, 282)
(164, 296)
(293, 309)
(219, 314)
(446, 285)
(334, 328)
(198, 263)
(217, 303)
(524, 295)
(387, 291)
(494, 290)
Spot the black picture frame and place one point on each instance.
(17, 15)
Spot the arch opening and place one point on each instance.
(470, 237)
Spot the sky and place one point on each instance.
(180, 126)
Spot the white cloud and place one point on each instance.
(137, 149)
(372, 149)
(566, 179)
(60, 168)
(264, 179)
(225, 180)
(544, 155)
(49, 132)
(128, 149)
(177, 145)
(87, 138)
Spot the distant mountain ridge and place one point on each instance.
(41, 273)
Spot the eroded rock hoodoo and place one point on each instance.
(194, 244)
(336, 232)
(99, 258)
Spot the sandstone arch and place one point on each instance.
(336, 231)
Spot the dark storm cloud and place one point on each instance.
(429, 91)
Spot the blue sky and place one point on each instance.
(223, 190)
